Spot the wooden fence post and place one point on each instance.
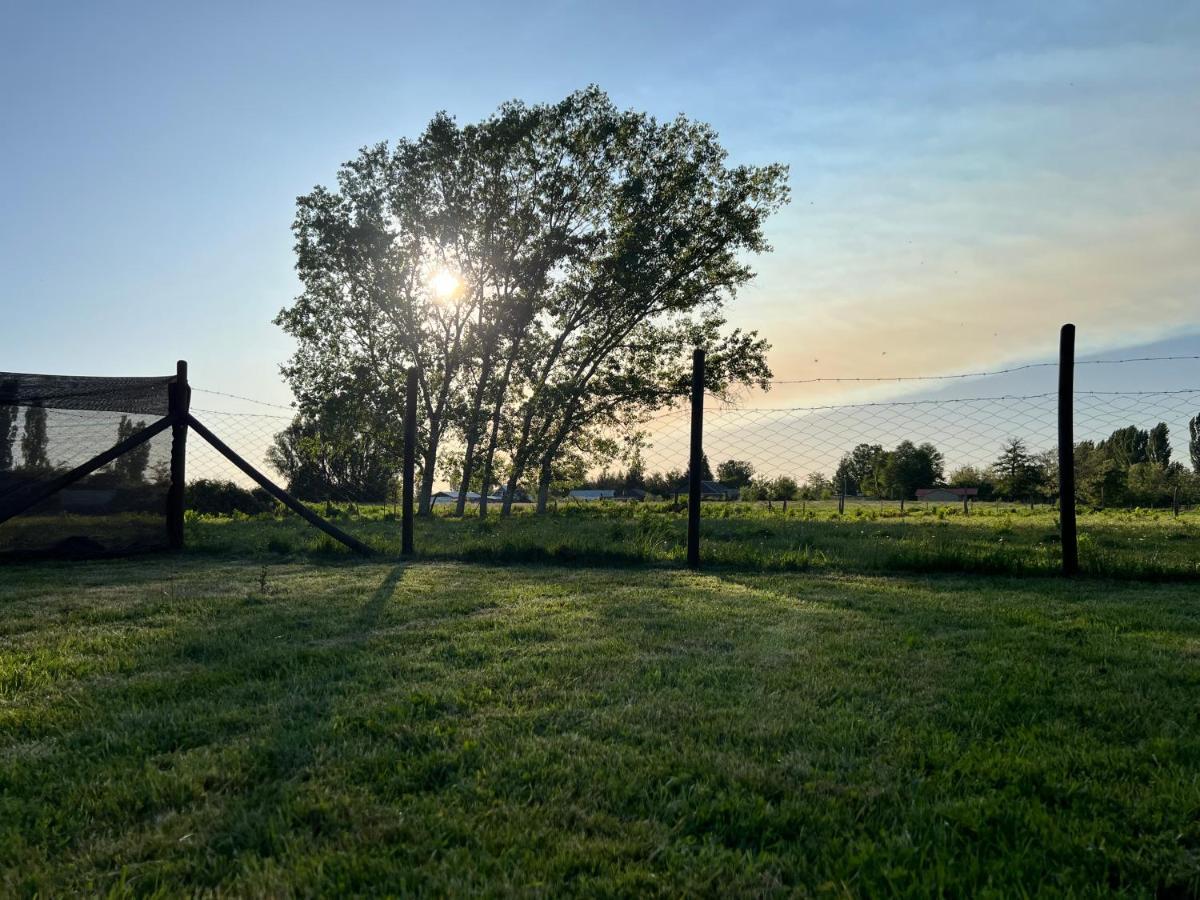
(696, 460)
(1066, 450)
(410, 467)
(179, 399)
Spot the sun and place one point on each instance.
(444, 284)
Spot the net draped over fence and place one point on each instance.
(51, 424)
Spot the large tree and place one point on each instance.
(339, 451)
(735, 473)
(1127, 446)
(130, 467)
(1015, 470)
(1194, 442)
(35, 442)
(546, 271)
(9, 416)
(860, 469)
(1158, 448)
(909, 467)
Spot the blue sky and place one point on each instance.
(965, 178)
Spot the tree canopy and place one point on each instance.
(547, 271)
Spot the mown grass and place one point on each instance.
(197, 725)
(1136, 544)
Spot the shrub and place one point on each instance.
(224, 498)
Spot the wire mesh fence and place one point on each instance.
(804, 443)
(1136, 449)
(820, 449)
(808, 444)
(796, 442)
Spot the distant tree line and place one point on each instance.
(34, 446)
(1131, 467)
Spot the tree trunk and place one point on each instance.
(465, 485)
(543, 494)
(473, 435)
(509, 488)
(489, 455)
(520, 458)
(425, 495)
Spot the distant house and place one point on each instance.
(623, 494)
(585, 494)
(947, 494)
(518, 495)
(710, 490)
(445, 498)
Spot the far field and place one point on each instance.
(288, 726)
(869, 537)
(1141, 544)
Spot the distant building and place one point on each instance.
(947, 494)
(710, 490)
(624, 494)
(518, 495)
(444, 498)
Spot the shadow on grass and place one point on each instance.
(245, 689)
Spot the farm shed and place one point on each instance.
(444, 498)
(623, 494)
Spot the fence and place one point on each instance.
(968, 421)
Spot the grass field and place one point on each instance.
(1136, 544)
(301, 726)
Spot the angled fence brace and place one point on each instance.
(277, 492)
(44, 490)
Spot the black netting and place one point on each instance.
(49, 426)
(147, 396)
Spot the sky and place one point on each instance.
(965, 177)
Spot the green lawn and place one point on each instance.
(197, 724)
(1132, 544)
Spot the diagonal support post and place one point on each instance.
(41, 491)
(277, 492)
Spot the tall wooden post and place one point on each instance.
(179, 399)
(1066, 450)
(410, 464)
(696, 460)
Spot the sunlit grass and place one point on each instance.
(1012, 540)
(191, 725)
